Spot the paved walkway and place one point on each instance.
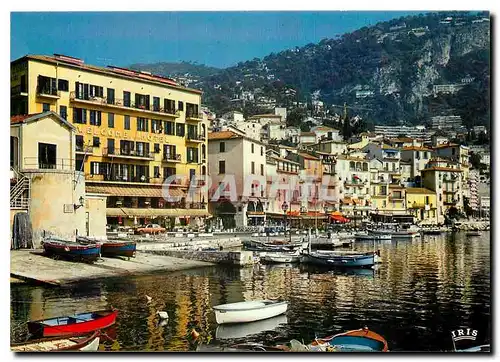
(32, 266)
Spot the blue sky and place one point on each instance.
(218, 39)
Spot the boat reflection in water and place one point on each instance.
(316, 269)
(241, 330)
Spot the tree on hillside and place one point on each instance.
(295, 117)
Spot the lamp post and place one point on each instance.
(326, 214)
(284, 207)
(355, 222)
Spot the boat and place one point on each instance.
(433, 231)
(482, 348)
(250, 311)
(473, 233)
(360, 260)
(71, 250)
(359, 340)
(372, 236)
(88, 343)
(74, 325)
(242, 330)
(278, 258)
(118, 248)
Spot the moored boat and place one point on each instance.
(241, 330)
(373, 236)
(359, 340)
(473, 233)
(250, 311)
(74, 325)
(118, 248)
(88, 343)
(360, 260)
(71, 250)
(277, 258)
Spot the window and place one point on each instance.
(191, 110)
(156, 104)
(169, 152)
(169, 128)
(426, 155)
(79, 143)
(63, 112)
(46, 107)
(156, 126)
(95, 142)
(222, 167)
(142, 124)
(222, 147)
(111, 146)
(192, 132)
(262, 170)
(111, 120)
(126, 99)
(156, 171)
(253, 168)
(181, 106)
(169, 105)
(47, 155)
(110, 99)
(142, 149)
(46, 85)
(168, 171)
(126, 122)
(261, 151)
(192, 173)
(192, 155)
(62, 85)
(96, 91)
(180, 129)
(95, 118)
(427, 200)
(79, 115)
(252, 148)
(157, 148)
(141, 101)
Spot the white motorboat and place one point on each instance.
(250, 311)
(233, 331)
(373, 236)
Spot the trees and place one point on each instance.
(295, 117)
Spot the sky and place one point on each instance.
(218, 39)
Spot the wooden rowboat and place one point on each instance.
(359, 340)
(118, 248)
(89, 343)
(341, 261)
(251, 311)
(71, 250)
(75, 325)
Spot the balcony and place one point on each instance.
(354, 184)
(196, 138)
(54, 164)
(84, 149)
(126, 178)
(168, 157)
(193, 116)
(126, 153)
(396, 197)
(19, 90)
(48, 93)
(117, 103)
(416, 205)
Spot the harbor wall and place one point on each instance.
(237, 258)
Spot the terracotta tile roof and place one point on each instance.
(308, 156)
(21, 117)
(446, 145)
(223, 135)
(440, 168)
(419, 190)
(416, 148)
(401, 139)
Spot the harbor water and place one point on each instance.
(424, 289)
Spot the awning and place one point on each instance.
(132, 190)
(151, 213)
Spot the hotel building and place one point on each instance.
(133, 130)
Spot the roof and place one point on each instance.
(308, 156)
(439, 168)
(109, 70)
(270, 115)
(416, 148)
(28, 118)
(307, 134)
(323, 128)
(401, 139)
(446, 145)
(419, 190)
(278, 158)
(223, 135)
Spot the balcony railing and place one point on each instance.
(56, 164)
(194, 116)
(48, 92)
(127, 178)
(84, 149)
(195, 137)
(117, 102)
(169, 157)
(113, 152)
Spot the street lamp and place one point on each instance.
(355, 223)
(284, 207)
(326, 214)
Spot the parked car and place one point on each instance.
(150, 229)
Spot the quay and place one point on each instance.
(32, 266)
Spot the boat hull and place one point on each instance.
(234, 331)
(118, 249)
(248, 312)
(340, 261)
(76, 325)
(374, 237)
(359, 340)
(277, 259)
(72, 251)
(88, 343)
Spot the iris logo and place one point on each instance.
(464, 333)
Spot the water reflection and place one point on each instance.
(423, 289)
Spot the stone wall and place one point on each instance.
(239, 258)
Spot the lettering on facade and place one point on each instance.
(140, 136)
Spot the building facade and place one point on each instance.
(133, 131)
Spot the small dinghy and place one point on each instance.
(251, 311)
(118, 248)
(75, 325)
(89, 343)
(473, 233)
(359, 340)
(71, 250)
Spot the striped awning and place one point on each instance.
(152, 213)
(132, 190)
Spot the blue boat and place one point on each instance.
(71, 250)
(118, 248)
(341, 261)
(359, 340)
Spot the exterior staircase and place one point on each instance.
(20, 192)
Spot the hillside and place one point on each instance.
(386, 72)
(188, 69)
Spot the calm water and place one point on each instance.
(424, 289)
